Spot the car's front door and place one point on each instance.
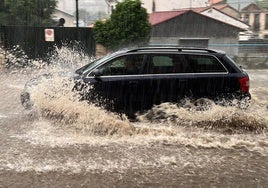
(118, 82)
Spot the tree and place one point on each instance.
(127, 25)
(27, 12)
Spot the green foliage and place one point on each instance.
(27, 12)
(127, 25)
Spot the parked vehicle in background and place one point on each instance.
(136, 79)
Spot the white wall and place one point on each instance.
(213, 13)
(68, 19)
(167, 5)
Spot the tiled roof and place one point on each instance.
(159, 17)
(215, 1)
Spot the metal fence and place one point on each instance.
(32, 40)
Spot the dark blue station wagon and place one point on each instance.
(136, 79)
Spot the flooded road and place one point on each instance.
(66, 143)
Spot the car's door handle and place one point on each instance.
(98, 78)
(133, 82)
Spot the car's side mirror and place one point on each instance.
(96, 73)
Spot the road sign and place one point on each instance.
(49, 35)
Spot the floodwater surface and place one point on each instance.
(63, 142)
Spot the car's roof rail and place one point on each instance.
(179, 48)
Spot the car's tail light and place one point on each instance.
(244, 84)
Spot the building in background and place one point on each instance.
(227, 9)
(190, 28)
(239, 4)
(257, 18)
(58, 14)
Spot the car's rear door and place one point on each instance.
(174, 76)
(164, 79)
(207, 75)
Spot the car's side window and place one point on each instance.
(162, 64)
(183, 63)
(123, 65)
(167, 64)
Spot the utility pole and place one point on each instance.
(77, 14)
(109, 4)
(190, 4)
(239, 5)
(239, 9)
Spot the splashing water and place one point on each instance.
(227, 119)
(215, 126)
(54, 99)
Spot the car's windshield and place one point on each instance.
(90, 65)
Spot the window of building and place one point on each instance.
(256, 25)
(266, 21)
(246, 18)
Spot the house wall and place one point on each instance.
(194, 25)
(225, 18)
(226, 44)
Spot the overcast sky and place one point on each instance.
(100, 5)
(90, 5)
